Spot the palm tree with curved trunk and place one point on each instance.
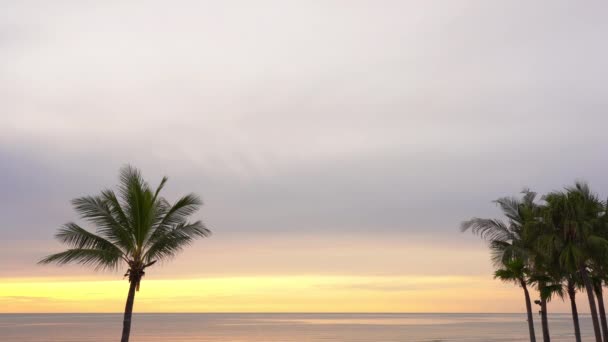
(135, 228)
(576, 213)
(511, 243)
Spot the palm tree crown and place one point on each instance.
(511, 240)
(137, 227)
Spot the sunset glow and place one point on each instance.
(261, 294)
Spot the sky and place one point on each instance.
(337, 145)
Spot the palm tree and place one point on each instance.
(548, 285)
(517, 272)
(597, 289)
(551, 246)
(575, 214)
(137, 228)
(600, 274)
(510, 243)
(572, 283)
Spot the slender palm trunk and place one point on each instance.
(544, 320)
(529, 311)
(602, 312)
(572, 295)
(126, 325)
(592, 307)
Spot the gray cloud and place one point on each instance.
(320, 116)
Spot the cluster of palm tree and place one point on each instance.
(556, 245)
(135, 229)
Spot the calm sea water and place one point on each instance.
(282, 327)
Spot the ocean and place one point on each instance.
(284, 327)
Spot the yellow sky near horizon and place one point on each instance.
(291, 273)
(259, 294)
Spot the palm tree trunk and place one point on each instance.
(592, 307)
(126, 325)
(544, 320)
(602, 312)
(572, 295)
(529, 311)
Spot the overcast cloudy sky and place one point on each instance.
(333, 128)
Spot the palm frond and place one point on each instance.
(97, 211)
(170, 216)
(130, 189)
(181, 210)
(75, 236)
(510, 207)
(115, 207)
(138, 200)
(161, 185)
(505, 275)
(502, 252)
(488, 229)
(528, 198)
(548, 291)
(173, 241)
(513, 270)
(99, 259)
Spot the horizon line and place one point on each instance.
(280, 313)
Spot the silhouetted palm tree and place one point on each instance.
(551, 246)
(509, 243)
(599, 269)
(516, 271)
(575, 214)
(572, 284)
(137, 228)
(548, 286)
(598, 281)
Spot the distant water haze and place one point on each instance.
(283, 327)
